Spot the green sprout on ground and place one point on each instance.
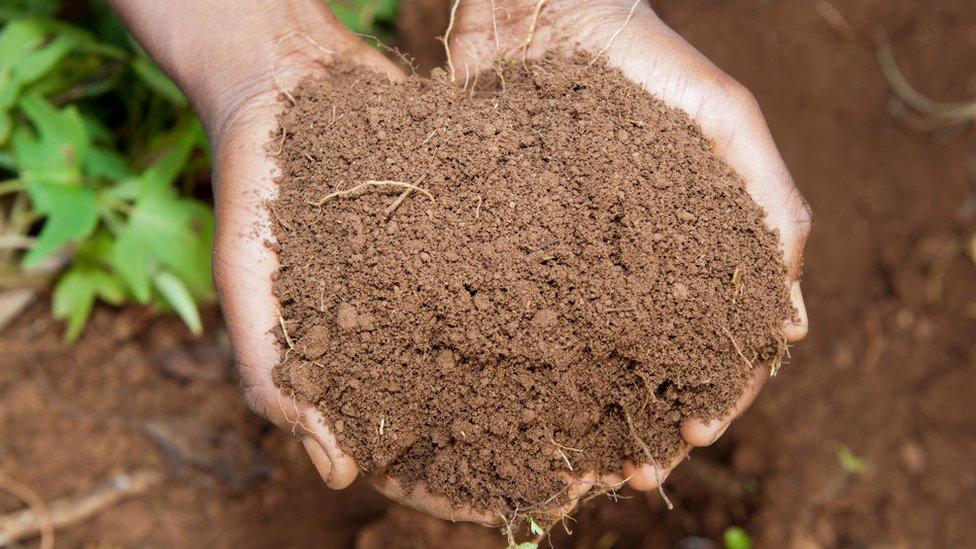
(850, 463)
(736, 538)
(373, 17)
(99, 157)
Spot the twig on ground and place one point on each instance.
(19, 524)
(616, 33)
(72, 509)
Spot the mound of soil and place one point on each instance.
(486, 291)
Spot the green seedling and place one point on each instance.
(736, 538)
(849, 462)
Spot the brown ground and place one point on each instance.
(534, 309)
(887, 371)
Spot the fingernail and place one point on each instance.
(319, 458)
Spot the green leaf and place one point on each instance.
(6, 127)
(849, 462)
(37, 63)
(736, 538)
(149, 73)
(62, 140)
(527, 545)
(131, 260)
(535, 528)
(73, 298)
(176, 294)
(71, 216)
(106, 164)
(158, 178)
(179, 232)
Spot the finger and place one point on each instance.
(439, 506)
(796, 329)
(698, 432)
(648, 476)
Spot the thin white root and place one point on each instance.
(284, 330)
(274, 65)
(650, 457)
(616, 33)
(445, 39)
(403, 196)
(494, 27)
(736, 346)
(365, 184)
(72, 509)
(524, 46)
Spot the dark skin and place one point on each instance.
(233, 59)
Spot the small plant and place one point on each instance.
(98, 157)
(373, 17)
(736, 538)
(850, 463)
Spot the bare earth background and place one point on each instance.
(889, 369)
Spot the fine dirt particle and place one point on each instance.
(576, 261)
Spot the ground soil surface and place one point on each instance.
(889, 369)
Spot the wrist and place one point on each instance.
(223, 54)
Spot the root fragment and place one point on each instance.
(524, 46)
(403, 196)
(445, 39)
(736, 346)
(650, 456)
(274, 65)
(616, 33)
(374, 183)
(284, 330)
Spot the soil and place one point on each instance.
(571, 274)
(887, 370)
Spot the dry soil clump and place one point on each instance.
(486, 292)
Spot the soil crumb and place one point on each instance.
(490, 290)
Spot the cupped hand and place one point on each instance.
(628, 35)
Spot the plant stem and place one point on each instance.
(11, 186)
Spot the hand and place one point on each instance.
(629, 36)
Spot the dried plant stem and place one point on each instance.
(284, 330)
(616, 33)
